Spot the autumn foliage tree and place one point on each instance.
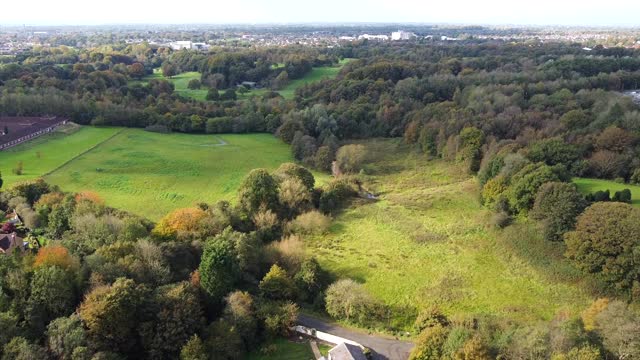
(55, 255)
(180, 222)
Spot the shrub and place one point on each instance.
(312, 222)
(492, 190)
(501, 220)
(350, 158)
(429, 344)
(635, 177)
(289, 252)
(348, 300)
(429, 317)
(619, 328)
(336, 194)
(194, 84)
(623, 196)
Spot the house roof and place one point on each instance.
(344, 351)
(9, 242)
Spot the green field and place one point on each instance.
(181, 82)
(588, 186)
(285, 350)
(427, 241)
(53, 149)
(151, 174)
(316, 74)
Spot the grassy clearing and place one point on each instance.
(54, 150)
(151, 174)
(316, 74)
(588, 186)
(181, 82)
(285, 350)
(427, 242)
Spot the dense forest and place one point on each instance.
(216, 280)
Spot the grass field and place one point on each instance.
(181, 82)
(588, 186)
(427, 241)
(151, 174)
(285, 350)
(53, 149)
(316, 74)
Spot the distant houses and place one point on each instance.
(189, 45)
(402, 35)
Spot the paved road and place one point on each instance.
(382, 347)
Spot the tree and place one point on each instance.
(294, 170)
(471, 139)
(65, 335)
(619, 328)
(194, 84)
(213, 94)
(277, 284)
(241, 312)
(136, 70)
(21, 349)
(557, 205)
(52, 295)
(194, 350)
(525, 184)
(218, 267)
(168, 69)
(258, 190)
(553, 152)
(55, 255)
(348, 300)
(178, 316)
(1, 181)
(605, 242)
(350, 158)
(112, 314)
(229, 94)
(429, 344)
(183, 222)
(280, 81)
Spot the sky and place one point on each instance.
(495, 12)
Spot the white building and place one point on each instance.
(402, 35)
(374, 37)
(179, 45)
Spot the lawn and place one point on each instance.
(181, 82)
(285, 350)
(588, 186)
(426, 241)
(46, 153)
(151, 174)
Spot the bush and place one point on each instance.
(635, 177)
(312, 222)
(429, 344)
(347, 300)
(350, 158)
(623, 196)
(501, 220)
(525, 184)
(194, 84)
(429, 317)
(336, 194)
(288, 252)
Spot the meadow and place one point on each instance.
(181, 82)
(588, 186)
(46, 153)
(427, 241)
(151, 174)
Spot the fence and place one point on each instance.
(34, 135)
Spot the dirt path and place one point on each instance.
(382, 347)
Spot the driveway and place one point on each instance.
(383, 348)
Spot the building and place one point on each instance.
(402, 35)
(345, 351)
(374, 37)
(11, 242)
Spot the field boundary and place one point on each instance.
(83, 153)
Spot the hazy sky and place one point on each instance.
(542, 12)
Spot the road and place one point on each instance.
(383, 348)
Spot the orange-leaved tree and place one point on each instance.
(180, 221)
